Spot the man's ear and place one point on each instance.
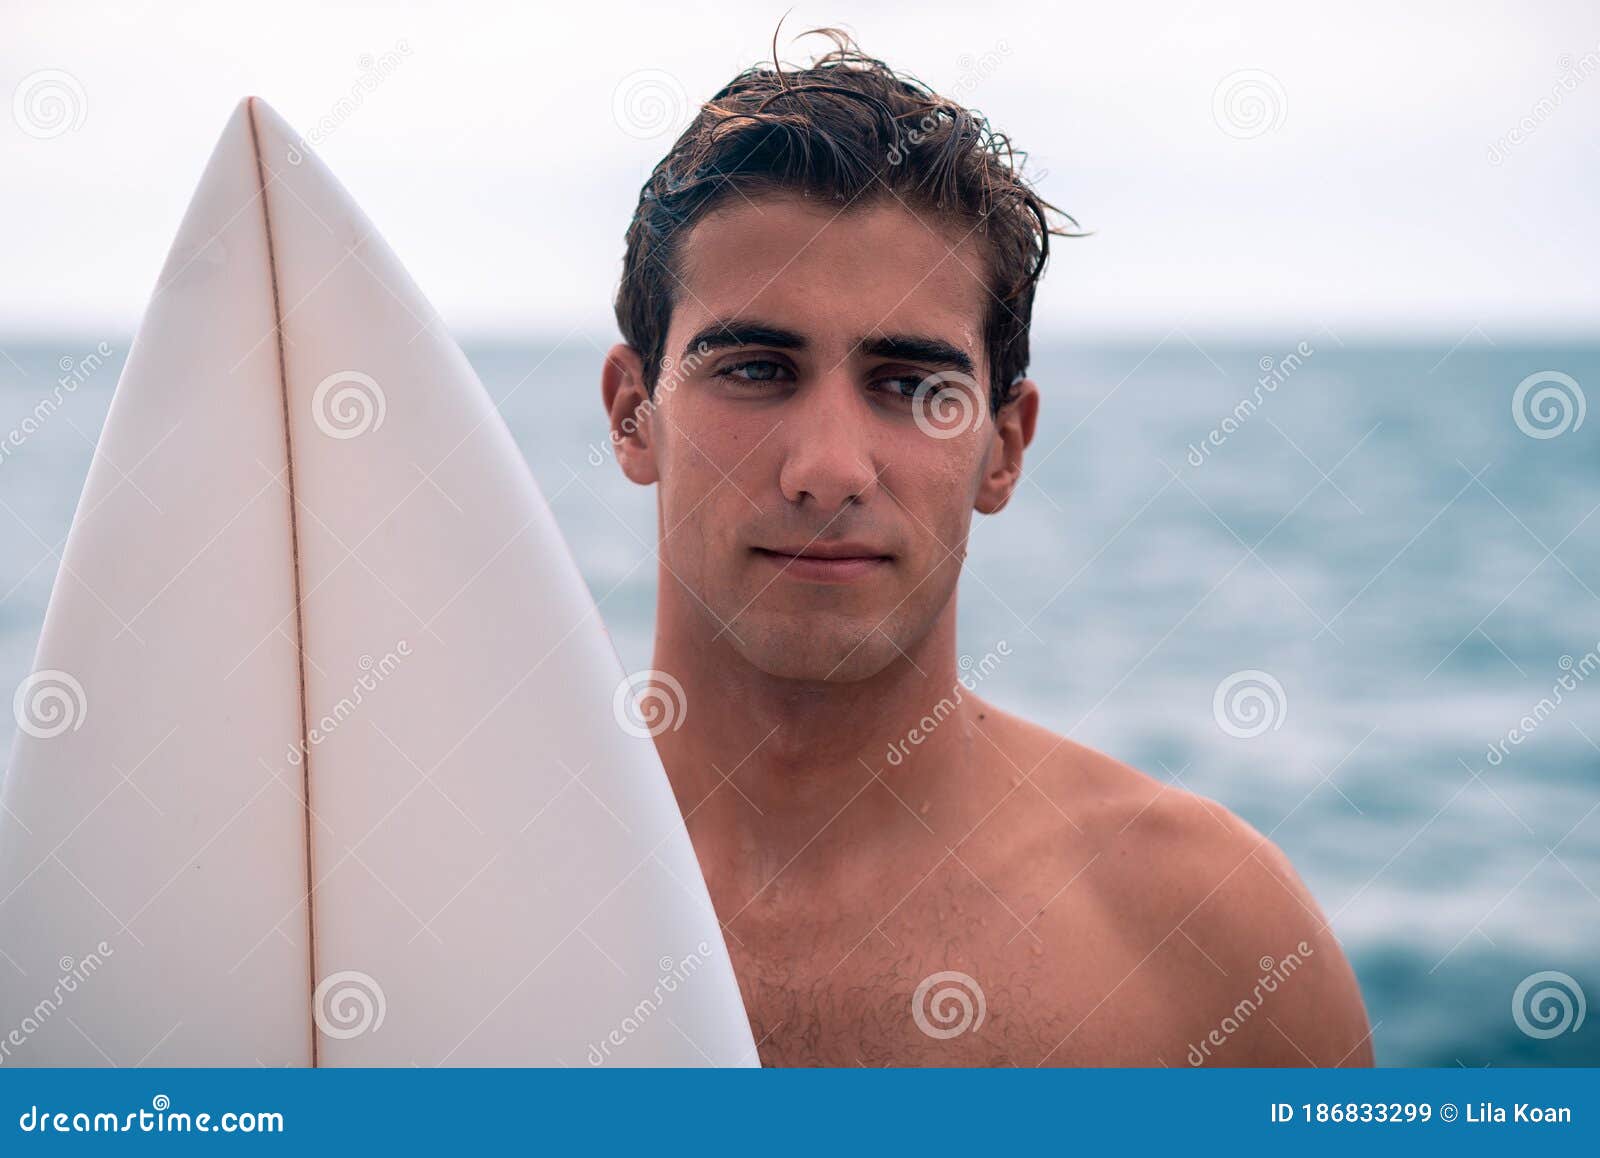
(628, 411)
(1002, 467)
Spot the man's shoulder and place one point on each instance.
(1195, 890)
(1117, 808)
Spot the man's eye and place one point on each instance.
(757, 370)
(907, 385)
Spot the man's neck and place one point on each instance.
(767, 767)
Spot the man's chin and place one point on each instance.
(818, 652)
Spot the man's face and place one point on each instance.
(815, 487)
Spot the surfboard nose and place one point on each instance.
(274, 138)
(250, 115)
(258, 106)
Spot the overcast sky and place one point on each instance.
(1377, 168)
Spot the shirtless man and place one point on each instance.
(810, 379)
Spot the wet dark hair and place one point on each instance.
(851, 129)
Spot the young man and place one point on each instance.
(825, 305)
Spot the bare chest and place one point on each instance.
(955, 981)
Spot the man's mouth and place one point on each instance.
(819, 562)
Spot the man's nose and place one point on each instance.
(828, 446)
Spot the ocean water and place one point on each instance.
(1331, 608)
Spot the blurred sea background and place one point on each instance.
(1329, 610)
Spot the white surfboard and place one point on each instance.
(326, 758)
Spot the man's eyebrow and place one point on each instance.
(736, 332)
(916, 348)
